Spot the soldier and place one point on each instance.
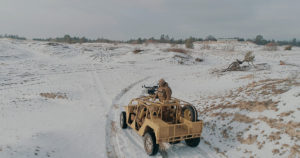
(164, 92)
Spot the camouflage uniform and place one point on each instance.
(164, 92)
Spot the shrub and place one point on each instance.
(137, 51)
(289, 47)
(189, 43)
(271, 47)
(249, 57)
(198, 59)
(281, 62)
(177, 50)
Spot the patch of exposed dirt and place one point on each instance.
(254, 97)
(199, 60)
(57, 95)
(253, 106)
(275, 151)
(285, 146)
(274, 136)
(258, 106)
(289, 128)
(260, 144)
(113, 127)
(295, 150)
(225, 134)
(242, 118)
(251, 76)
(249, 140)
(177, 50)
(284, 114)
(207, 142)
(137, 51)
(222, 115)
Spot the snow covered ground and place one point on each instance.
(64, 100)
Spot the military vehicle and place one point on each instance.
(169, 121)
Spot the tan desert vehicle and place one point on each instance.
(171, 121)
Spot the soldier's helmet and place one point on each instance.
(161, 82)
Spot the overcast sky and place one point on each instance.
(125, 19)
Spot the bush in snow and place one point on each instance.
(177, 50)
(289, 47)
(189, 43)
(271, 47)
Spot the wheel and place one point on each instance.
(150, 145)
(189, 113)
(176, 142)
(123, 123)
(192, 142)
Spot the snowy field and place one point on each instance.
(64, 100)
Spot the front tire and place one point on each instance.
(123, 123)
(150, 145)
(192, 142)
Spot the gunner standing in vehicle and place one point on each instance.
(164, 92)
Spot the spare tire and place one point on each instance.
(189, 112)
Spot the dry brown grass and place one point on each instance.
(289, 128)
(253, 106)
(242, 118)
(137, 51)
(249, 140)
(284, 114)
(54, 95)
(274, 136)
(199, 60)
(282, 63)
(271, 47)
(222, 115)
(251, 76)
(113, 127)
(225, 134)
(260, 103)
(275, 151)
(254, 89)
(260, 144)
(289, 47)
(295, 150)
(207, 143)
(177, 50)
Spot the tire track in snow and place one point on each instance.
(121, 143)
(127, 143)
(110, 146)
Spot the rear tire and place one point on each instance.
(123, 123)
(192, 142)
(150, 145)
(189, 112)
